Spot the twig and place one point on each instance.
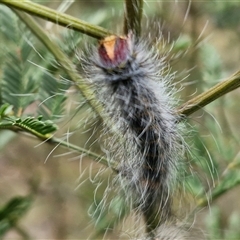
(226, 182)
(214, 194)
(57, 17)
(230, 84)
(48, 138)
(63, 60)
(93, 155)
(133, 17)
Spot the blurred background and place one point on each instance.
(51, 188)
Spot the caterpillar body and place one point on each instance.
(132, 83)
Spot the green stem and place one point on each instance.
(93, 155)
(63, 60)
(220, 186)
(191, 106)
(133, 17)
(57, 141)
(186, 109)
(214, 194)
(57, 17)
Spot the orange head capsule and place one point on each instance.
(113, 51)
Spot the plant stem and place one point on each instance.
(133, 17)
(191, 106)
(223, 184)
(93, 155)
(214, 194)
(63, 60)
(57, 141)
(57, 17)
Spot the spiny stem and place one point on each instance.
(57, 17)
(133, 17)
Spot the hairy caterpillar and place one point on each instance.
(133, 85)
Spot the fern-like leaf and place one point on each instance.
(8, 26)
(52, 96)
(35, 126)
(17, 87)
(22, 83)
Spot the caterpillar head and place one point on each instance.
(114, 51)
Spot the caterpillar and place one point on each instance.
(132, 83)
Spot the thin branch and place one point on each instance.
(48, 138)
(93, 155)
(133, 17)
(226, 181)
(216, 193)
(57, 17)
(62, 59)
(230, 84)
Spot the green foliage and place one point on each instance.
(21, 82)
(18, 86)
(12, 212)
(8, 21)
(52, 97)
(32, 125)
(225, 13)
(106, 218)
(215, 229)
